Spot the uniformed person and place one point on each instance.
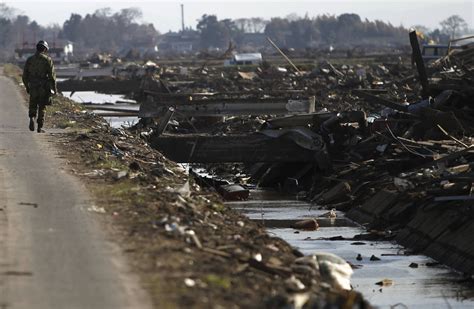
(39, 79)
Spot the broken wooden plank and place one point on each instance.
(454, 198)
(163, 121)
(283, 54)
(234, 148)
(378, 100)
(448, 157)
(298, 120)
(221, 107)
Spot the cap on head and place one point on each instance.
(42, 46)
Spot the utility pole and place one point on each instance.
(182, 17)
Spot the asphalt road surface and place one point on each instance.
(53, 253)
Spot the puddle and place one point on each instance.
(95, 97)
(422, 287)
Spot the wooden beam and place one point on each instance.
(233, 148)
(378, 100)
(221, 107)
(420, 65)
(283, 54)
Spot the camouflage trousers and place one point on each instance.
(39, 98)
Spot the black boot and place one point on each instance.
(32, 124)
(40, 125)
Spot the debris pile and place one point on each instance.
(392, 145)
(177, 232)
(411, 171)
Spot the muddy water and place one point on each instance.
(422, 287)
(100, 98)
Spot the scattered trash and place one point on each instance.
(99, 210)
(334, 270)
(189, 282)
(385, 282)
(34, 205)
(120, 175)
(233, 192)
(184, 190)
(307, 225)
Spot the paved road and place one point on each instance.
(52, 251)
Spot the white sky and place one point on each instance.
(166, 15)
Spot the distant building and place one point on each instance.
(245, 59)
(179, 42)
(59, 51)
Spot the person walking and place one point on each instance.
(39, 79)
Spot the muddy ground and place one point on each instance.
(187, 247)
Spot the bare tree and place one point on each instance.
(258, 24)
(242, 24)
(453, 25)
(293, 17)
(6, 12)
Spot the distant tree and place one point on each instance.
(257, 24)
(349, 26)
(5, 25)
(439, 37)
(72, 28)
(216, 33)
(6, 12)
(278, 29)
(328, 27)
(128, 16)
(103, 12)
(243, 24)
(453, 25)
(292, 17)
(107, 31)
(421, 29)
(251, 25)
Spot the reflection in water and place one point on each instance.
(422, 287)
(119, 122)
(96, 98)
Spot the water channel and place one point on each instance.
(434, 286)
(107, 99)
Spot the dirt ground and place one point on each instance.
(187, 247)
